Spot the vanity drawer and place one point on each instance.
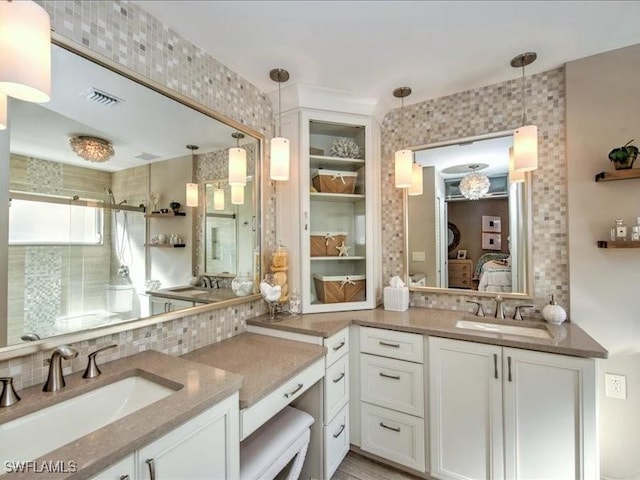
(336, 441)
(336, 390)
(392, 435)
(389, 343)
(337, 345)
(391, 383)
(254, 416)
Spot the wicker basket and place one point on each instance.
(324, 244)
(340, 288)
(335, 181)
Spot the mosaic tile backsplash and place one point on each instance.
(494, 108)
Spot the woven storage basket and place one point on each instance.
(335, 181)
(340, 288)
(323, 244)
(396, 299)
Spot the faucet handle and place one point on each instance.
(92, 369)
(516, 314)
(479, 310)
(8, 396)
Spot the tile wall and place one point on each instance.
(485, 110)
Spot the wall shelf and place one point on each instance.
(618, 175)
(165, 215)
(609, 244)
(165, 245)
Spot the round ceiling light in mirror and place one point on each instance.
(93, 149)
(474, 185)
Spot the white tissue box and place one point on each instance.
(396, 299)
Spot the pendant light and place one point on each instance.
(3, 111)
(403, 158)
(474, 185)
(218, 198)
(279, 169)
(416, 180)
(525, 138)
(515, 176)
(25, 51)
(237, 194)
(192, 188)
(237, 162)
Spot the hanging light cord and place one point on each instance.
(279, 107)
(401, 122)
(524, 84)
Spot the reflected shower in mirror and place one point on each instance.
(99, 217)
(455, 241)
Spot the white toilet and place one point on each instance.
(120, 298)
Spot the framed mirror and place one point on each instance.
(99, 222)
(464, 245)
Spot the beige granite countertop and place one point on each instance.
(567, 339)
(264, 362)
(194, 294)
(198, 387)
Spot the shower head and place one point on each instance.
(110, 193)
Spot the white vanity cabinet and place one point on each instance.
(327, 215)
(392, 413)
(499, 412)
(205, 447)
(165, 305)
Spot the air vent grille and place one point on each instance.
(102, 98)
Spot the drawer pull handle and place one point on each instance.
(339, 432)
(395, 429)
(339, 346)
(294, 391)
(495, 365)
(340, 377)
(124, 477)
(394, 377)
(152, 468)
(509, 364)
(387, 344)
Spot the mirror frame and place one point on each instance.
(528, 221)
(28, 348)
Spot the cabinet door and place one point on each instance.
(122, 470)
(158, 305)
(206, 447)
(465, 406)
(179, 304)
(549, 414)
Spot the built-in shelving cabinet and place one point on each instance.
(333, 180)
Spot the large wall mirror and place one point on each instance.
(93, 238)
(479, 246)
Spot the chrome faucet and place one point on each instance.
(205, 281)
(517, 314)
(499, 307)
(8, 396)
(479, 309)
(30, 337)
(92, 369)
(55, 380)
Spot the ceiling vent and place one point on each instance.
(102, 98)
(146, 156)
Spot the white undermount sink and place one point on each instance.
(533, 332)
(38, 433)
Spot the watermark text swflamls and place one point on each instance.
(34, 466)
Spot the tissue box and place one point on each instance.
(340, 288)
(324, 244)
(396, 299)
(335, 181)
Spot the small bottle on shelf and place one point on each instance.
(635, 231)
(619, 231)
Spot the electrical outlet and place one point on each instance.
(418, 256)
(615, 386)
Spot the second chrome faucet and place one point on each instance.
(55, 380)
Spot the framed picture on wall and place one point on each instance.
(462, 255)
(492, 224)
(491, 241)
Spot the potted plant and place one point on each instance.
(623, 157)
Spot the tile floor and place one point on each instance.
(357, 467)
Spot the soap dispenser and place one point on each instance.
(554, 313)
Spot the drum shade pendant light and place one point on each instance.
(403, 158)
(218, 198)
(515, 176)
(237, 162)
(279, 169)
(474, 185)
(416, 180)
(237, 194)
(25, 51)
(525, 138)
(192, 188)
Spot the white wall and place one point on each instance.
(603, 112)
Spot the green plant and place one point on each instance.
(624, 154)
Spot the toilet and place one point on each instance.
(268, 450)
(120, 298)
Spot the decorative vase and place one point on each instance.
(554, 313)
(175, 206)
(626, 163)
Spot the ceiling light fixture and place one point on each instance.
(218, 198)
(416, 180)
(25, 51)
(279, 169)
(403, 158)
(192, 188)
(93, 149)
(515, 176)
(474, 185)
(525, 138)
(237, 162)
